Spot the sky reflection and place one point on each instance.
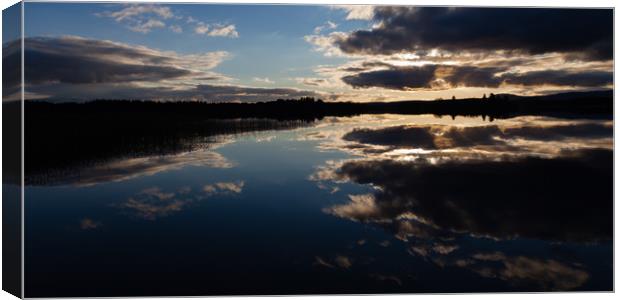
(367, 204)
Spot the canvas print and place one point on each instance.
(237, 149)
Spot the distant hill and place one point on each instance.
(577, 95)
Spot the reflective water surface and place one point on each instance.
(366, 204)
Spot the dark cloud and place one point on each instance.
(77, 61)
(587, 32)
(223, 93)
(75, 68)
(569, 198)
(11, 69)
(436, 76)
(45, 67)
(394, 78)
(313, 81)
(471, 76)
(561, 78)
(202, 92)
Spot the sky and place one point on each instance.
(246, 53)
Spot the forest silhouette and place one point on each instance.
(69, 134)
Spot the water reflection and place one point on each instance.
(366, 204)
(562, 199)
(97, 159)
(92, 153)
(126, 169)
(153, 203)
(545, 275)
(435, 187)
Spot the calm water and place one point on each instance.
(367, 204)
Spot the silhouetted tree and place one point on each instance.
(453, 98)
(484, 96)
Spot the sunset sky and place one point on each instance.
(337, 53)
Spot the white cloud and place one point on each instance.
(136, 10)
(147, 26)
(263, 80)
(326, 43)
(225, 31)
(201, 28)
(328, 25)
(140, 18)
(176, 28)
(216, 30)
(191, 20)
(144, 18)
(358, 12)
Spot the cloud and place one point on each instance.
(176, 28)
(397, 79)
(442, 77)
(224, 31)
(326, 43)
(11, 69)
(263, 80)
(312, 81)
(533, 31)
(136, 10)
(70, 67)
(143, 18)
(201, 29)
(560, 78)
(248, 94)
(216, 30)
(140, 17)
(199, 92)
(328, 25)
(147, 26)
(76, 60)
(357, 12)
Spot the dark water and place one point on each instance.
(368, 204)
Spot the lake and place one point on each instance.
(366, 204)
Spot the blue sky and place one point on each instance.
(223, 52)
(270, 44)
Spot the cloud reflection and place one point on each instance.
(434, 186)
(129, 168)
(562, 199)
(438, 137)
(152, 203)
(546, 274)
